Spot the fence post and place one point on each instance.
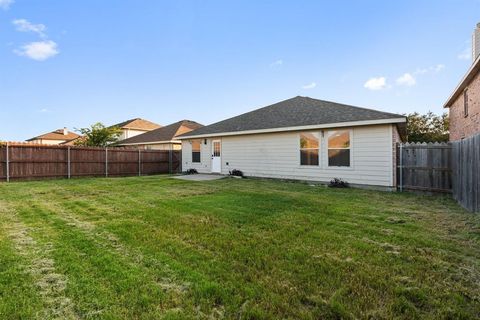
(170, 159)
(69, 169)
(7, 162)
(106, 162)
(401, 167)
(139, 163)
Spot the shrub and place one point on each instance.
(338, 183)
(191, 171)
(236, 173)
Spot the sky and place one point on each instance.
(74, 63)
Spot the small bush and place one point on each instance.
(191, 171)
(338, 183)
(236, 173)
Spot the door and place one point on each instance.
(216, 156)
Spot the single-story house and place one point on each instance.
(163, 138)
(134, 127)
(464, 102)
(60, 136)
(301, 138)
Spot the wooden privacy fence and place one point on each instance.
(27, 161)
(424, 167)
(466, 172)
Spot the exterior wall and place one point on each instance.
(460, 126)
(128, 133)
(205, 164)
(277, 155)
(161, 146)
(395, 140)
(49, 142)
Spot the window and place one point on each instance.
(339, 148)
(309, 146)
(465, 103)
(196, 150)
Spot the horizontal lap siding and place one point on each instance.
(205, 157)
(276, 155)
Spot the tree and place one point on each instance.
(428, 127)
(98, 135)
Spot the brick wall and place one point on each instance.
(461, 126)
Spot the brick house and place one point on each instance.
(464, 102)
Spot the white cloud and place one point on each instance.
(5, 4)
(378, 83)
(276, 63)
(44, 110)
(465, 54)
(434, 69)
(406, 80)
(40, 51)
(309, 86)
(24, 25)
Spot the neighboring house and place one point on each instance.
(60, 136)
(163, 138)
(134, 127)
(301, 138)
(464, 102)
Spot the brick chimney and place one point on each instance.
(65, 131)
(476, 42)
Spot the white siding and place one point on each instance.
(205, 156)
(277, 155)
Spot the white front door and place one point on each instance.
(216, 156)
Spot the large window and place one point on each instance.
(196, 150)
(309, 146)
(465, 103)
(339, 148)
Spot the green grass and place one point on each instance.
(156, 247)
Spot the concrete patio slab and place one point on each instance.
(200, 177)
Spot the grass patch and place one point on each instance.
(156, 247)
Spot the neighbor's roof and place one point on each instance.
(296, 114)
(56, 135)
(163, 134)
(137, 123)
(467, 78)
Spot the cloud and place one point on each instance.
(5, 4)
(276, 63)
(44, 110)
(24, 25)
(434, 69)
(375, 84)
(406, 80)
(309, 86)
(40, 50)
(465, 54)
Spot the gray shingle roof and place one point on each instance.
(294, 112)
(166, 133)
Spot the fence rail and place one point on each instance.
(27, 161)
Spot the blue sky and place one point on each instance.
(73, 63)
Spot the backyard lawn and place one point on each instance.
(156, 247)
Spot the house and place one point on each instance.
(464, 102)
(56, 137)
(134, 127)
(163, 138)
(301, 138)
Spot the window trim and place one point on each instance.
(327, 136)
(199, 151)
(465, 103)
(319, 138)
